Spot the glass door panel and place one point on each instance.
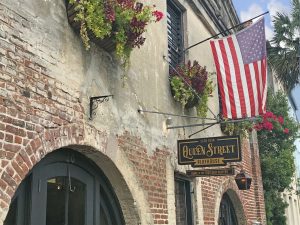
(65, 196)
(56, 201)
(77, 200)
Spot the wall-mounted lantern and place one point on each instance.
(243, 180)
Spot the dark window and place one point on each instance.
(175, 33)
(65, 188)
(226, 213)
(183, 202)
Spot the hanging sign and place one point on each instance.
(211, 172)
(214, 151)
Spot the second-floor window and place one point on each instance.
(175, 33)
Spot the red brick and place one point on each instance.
(11, 129)
(1, 135)
(18, 169)
(9, 138)
(11, 147)
(9, 180)
(3, 184)
(18, 123)
(10, 192)
(18, 140)
(10, 171)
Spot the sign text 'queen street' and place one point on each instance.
(213, 151)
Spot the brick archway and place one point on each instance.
(230, 188)
(74, 136)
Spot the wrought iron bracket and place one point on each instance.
(94, 103)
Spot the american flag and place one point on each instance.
(241, 66)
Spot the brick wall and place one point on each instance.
(251, 201)
(151, 171)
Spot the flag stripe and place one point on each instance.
(250, 89)
(233, 79)
(243, 76)
(221, 86)
(258, 86)
(228, 78)
(241, 68)
(254, 88)
(223, 78)
(239, 89)
(264, 81)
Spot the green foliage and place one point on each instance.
(282, 53)
(239, 128)
(181, 93)
(275, 208)
(124, 21)
(202, 107)
(191, 87)
(276, 154)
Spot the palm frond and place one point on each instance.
(283, 51)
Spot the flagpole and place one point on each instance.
(219, 122)
(224, 31)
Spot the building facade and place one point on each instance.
(61, 163)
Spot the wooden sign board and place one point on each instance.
(214, 151)
(211, 172)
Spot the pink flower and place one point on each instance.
(268, 115)
(268, 125)
(286, 131)
(158, 14)
(280, 119)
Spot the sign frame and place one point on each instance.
(211, 172)
(208, 152)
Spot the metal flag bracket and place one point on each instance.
(94, 103)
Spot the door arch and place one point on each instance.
(227, 215)
(65, 188)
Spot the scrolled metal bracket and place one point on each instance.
(94, 103)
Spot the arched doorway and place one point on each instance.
(65, 188)
(227, 215)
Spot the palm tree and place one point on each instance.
(284, 49)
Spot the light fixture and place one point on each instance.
(243, 180)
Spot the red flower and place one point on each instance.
(268, 125)
(268, 115)
(158, 14)
(280, 119)
(258, 127)
(286, 131)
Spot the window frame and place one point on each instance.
(178, 10)
(178, 177)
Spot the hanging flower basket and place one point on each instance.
(191, 87)
(115, 25)
(106, 43)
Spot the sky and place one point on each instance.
(248, 9)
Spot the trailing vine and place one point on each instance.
(191, 86)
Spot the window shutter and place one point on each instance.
(175, 34)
